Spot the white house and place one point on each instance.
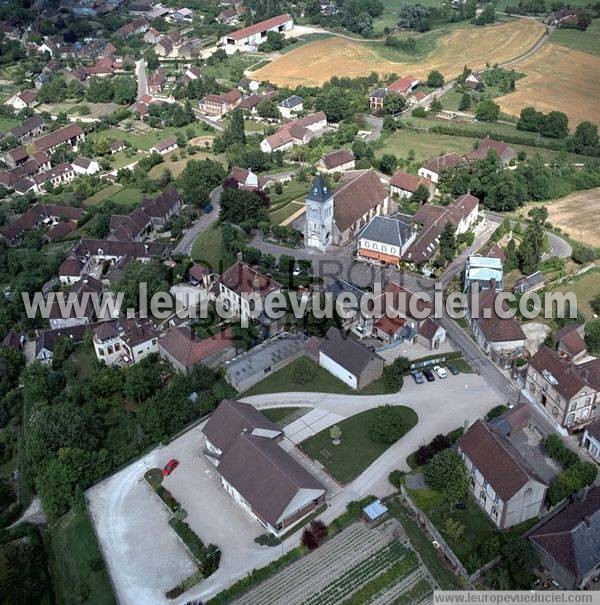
(255, 35)
(290, 106)
(124, 342)
(83, 165)
(385, 239)
(591, 440)
(435, 167)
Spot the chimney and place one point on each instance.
(239, 256)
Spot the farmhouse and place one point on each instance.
(290, 106)
(335, 217)
(473, 80)
(385, 239)
(501, 481)
(63, 173)
(219, 105)
(22, 100)
(505, 153)
(260, 475)
(28, 129)
(567, 393)
(256, 34)
(337, 161)
(280, 141)
(44, 344)
(403, 86)
(435, 167)
(567, 543)
(75, 307)
(350, 361)
(404, 184)
(83, 165)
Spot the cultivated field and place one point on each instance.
(561, 79)
(578, 215)
(313, 64)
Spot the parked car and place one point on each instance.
(170, 467)
(453, 369)
(429, 375)
(440, 371)
(417, 377)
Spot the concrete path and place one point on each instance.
(35, 514)
(140, 72)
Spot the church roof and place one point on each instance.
(319, 192)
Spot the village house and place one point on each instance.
(250, 367)
(290, 106)
(566, 392)
(462, 214)
(83, 165)
(240, 281)
(124, 341)
(228, 16)
(336, 217)
(404, 184)
(164, 146)
(402, 86)
(116, 146)
(219, 105)
(282, 140)
(591, 440)
(348, 360)
(251, 102)
(502, 482)
(255, 35)
(246, 179)
(152, 36)
(499, 336)
(46, 339)
(385, 239)
(435, 167)
(505, 153)
(337, 161)
(183, 349)
(558, 17)
(200, 276)
(248, 85)
(296, 132)
(570, 343)
(567, 542)
(22, 100)
(59, 175)
(139, 26)
(261, 476)
(19, 177)
(28, 129)
(75, 307)
(157, 80)
(183, 15)
(473, 80)
(406, 327)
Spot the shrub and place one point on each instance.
(267, 540)
(395, 478)
(387, 425)
(495, 412)
(304, 371)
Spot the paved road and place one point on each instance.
(187, 241)
(377, 125)
(534, 49)
(140, 72)
(216, 125)
(559, 246)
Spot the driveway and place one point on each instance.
(187, 241)
(140, 72)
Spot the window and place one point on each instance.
(117, 347)
(485, 484)
(267, 370)
(573, 406)
(585, 413)
(472, 482)
(482, 497)
(494, 512)
(154, 341)
(101, 352)
(110, 350)
(534, 375)
(570, 419)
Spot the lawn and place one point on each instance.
(585, 287)
(422, 544)
(8, 123)
(76, 563)
(587, 41)
(282, 381)
(284, 212)
(283, 416)
(175, 163)
(356, 451)
(477, 527)
(121, 159)
(127, 196)
(207, 247)
(102, 195)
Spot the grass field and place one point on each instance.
(557, 79)
(283, 416)
(8, 123)
(585, 287)
(587, 41)
(577, 214)
(176, 166)
(357, 450)
(280, 215)
(76, 563)
(128, 196)
(315, 63)
(207, 247)
(102, 195)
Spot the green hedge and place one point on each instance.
(207, 556)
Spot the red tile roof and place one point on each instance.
(257, 28)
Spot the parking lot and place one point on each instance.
(144, 556)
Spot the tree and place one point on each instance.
(303, 371)
(556, 125)
(11, 364)
(335, 103)
(198, 178)
(388, 163)
(486, 16)
(436, 105)
(520, 560)
(420, 195)
(530, 119)
(274, 41)
(236, 132)
(394, 373)
(124, 90)
(336, 434)
(445, 473)
(394, 103)
(586, 134)
(465, 102)
(487, 111)
(435, 79)
(268, 109)
(387, 425)
(137, 273)
(142, 380)
(532, 244)
(592, 336)
(447, 249)
(239, 206)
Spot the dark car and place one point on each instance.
(429, 375)
(417, 377)
(453, 369)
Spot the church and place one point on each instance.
(336, 217)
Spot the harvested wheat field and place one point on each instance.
(315, 63)
(577, 214)
(558, 79)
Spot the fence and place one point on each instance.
(433, 360)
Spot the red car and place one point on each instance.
(170, 467)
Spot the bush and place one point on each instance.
(387, 425)
(438, 444)
(267, 540)
(419, 112)
(583, 254)
(304, 371)
(396, 477)
(495, 412)
(208, 557)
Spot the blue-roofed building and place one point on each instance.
(487, 271)
(375, 513)
(386, 238)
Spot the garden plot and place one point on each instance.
(355, 559)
